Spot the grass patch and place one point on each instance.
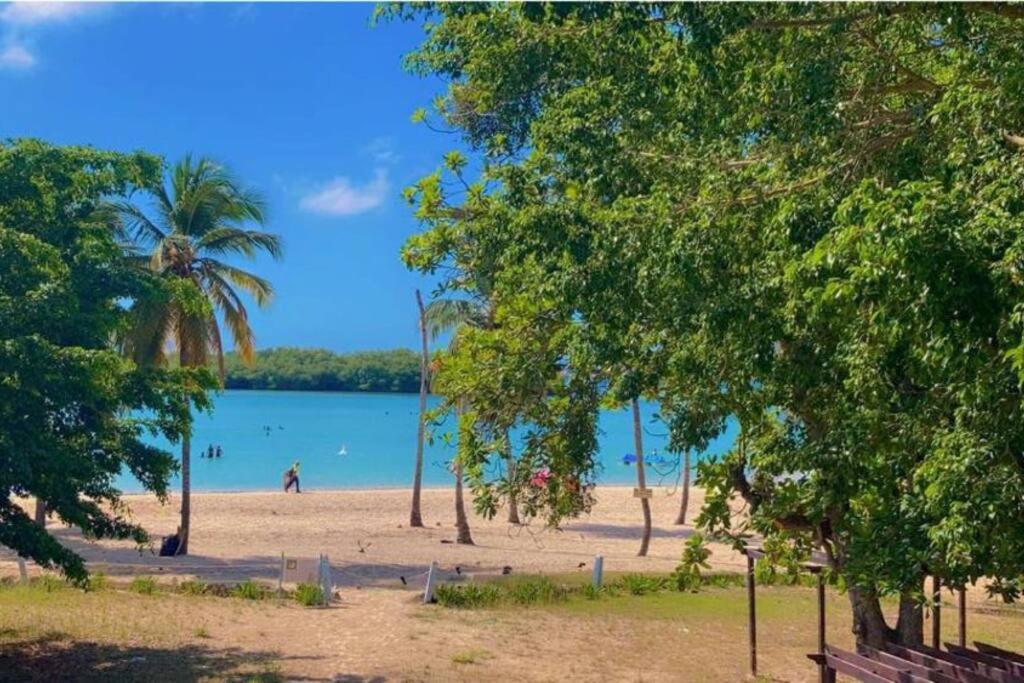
(470, 656)
(194, 588)
(467, 596)
(250, 590)
(524, 591)
(50, 584)
(309, 594)
(143, 585)
(201, 632)
(98, 581)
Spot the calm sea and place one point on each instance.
(262, 432)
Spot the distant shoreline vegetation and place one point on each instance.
(295, 369)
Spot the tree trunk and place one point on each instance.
(869, 625)
(641, 478)
(510, 464)
(415, 516)
(186, 494)
(40, 512)
(681, 517)
(461, 521)
(186, 475)
(910, 623)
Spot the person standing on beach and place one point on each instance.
(292, 477)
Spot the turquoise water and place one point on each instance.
(378, 432)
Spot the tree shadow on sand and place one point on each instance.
(625, 532)
(54, 657)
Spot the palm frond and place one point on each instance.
(228, 277)
(226, 239)
(445, 315)
(235, 317)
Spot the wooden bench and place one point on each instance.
(920, 664)
(999, 652)
(995, 661)
(949, 662)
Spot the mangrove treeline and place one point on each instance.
(396, 370)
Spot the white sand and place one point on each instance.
(369, 542)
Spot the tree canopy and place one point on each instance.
(804, 216)
(73, 411)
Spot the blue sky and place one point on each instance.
(307, 103)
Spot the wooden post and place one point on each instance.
(22, 570)
(822, 668)
(752, 616)
(936, 612)
(962, 609)
(598, 571)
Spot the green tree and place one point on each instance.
(73, 411)
(803, 217)
(449, 315)
(197, 222)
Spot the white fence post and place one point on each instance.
(428, 592)
(22, 570)
(326, 586)
(598, 570)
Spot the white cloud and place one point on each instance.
(21, 21)
(38, 13)
(340, 197)
(382, 150)
(16, 57)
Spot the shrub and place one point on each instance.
(309, 594)
(638, 584)
(201, 632)
(687, 576)
(250, 590)
(194, 588)
(143, 585)
(467, 596)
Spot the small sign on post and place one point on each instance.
(314, 571)
(598, 571)
(428, 591)
(643, 493)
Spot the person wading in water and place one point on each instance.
(292, 477)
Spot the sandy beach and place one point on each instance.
(365, 533)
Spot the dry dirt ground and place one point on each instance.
(384, 634)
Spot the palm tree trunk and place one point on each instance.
(186, 477)
(461, 521)
(641, 479)
(415, 516)
(681, 518)
(510, 464)
(40, 512)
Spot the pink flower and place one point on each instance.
(540, 478)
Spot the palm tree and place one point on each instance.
(446, 315)
(641, 478)
(415, 516)
(198, 221)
